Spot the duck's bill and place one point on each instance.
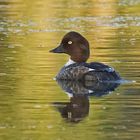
(59, 49)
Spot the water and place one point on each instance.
(32, 105)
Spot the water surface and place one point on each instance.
(30, 100)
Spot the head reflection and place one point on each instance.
(78, 107)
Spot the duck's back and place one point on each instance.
(102, 72)
(88, 71)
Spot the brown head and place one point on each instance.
(75, 45)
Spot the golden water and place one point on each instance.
(28, 30)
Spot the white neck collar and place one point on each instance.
(69, 62)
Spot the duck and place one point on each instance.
(77, 69)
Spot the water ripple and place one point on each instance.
(49, 24)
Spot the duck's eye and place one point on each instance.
(69, 42)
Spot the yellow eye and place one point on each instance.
(69, 42)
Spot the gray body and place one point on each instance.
(88, 71)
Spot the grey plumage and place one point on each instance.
(88, 71)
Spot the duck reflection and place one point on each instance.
(79, 91)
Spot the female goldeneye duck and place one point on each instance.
(77, 47)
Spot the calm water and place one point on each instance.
(32, 105)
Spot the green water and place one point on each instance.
(30, 100)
